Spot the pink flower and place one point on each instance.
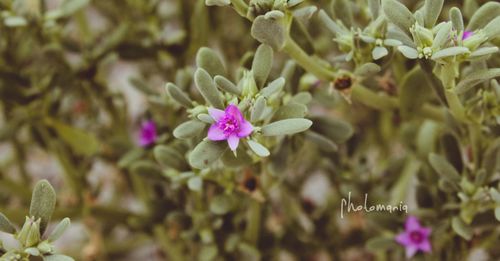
(467, 34)
(147, 135)
(229, 125)
(415, 237)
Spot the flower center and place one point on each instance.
(229, 125)
(416, 237)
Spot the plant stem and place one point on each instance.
(240, 6)
(376, 101)
(307, 62)
(435, 82)
(253, 228)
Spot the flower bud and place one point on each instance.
(45, 247)
(248, 84)
(30, 233)
(424, 35)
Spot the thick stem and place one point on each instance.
(436, 84)
(240, 6)
(376, 101)
(307, 62)
(253, 228)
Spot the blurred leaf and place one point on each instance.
(5, 225)
(206, 153)
(81, 141)
(195, 183)
(57, 258)
(461, 228)
(444, 168)
(221, 204)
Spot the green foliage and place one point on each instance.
(393, 99)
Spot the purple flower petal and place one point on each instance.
(245, 129)
(425, 231)
(403, 239)
(216, 114)
(425, 246)
(234, 111)
(147, 134)
(215, 133)
(467, 34)
(411, 251)
(233, 142)
(412, 223)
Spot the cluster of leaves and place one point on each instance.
(30, 238)
(401, 105)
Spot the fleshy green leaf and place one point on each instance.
(338, 131)
(367, 69)
(207, 88)
(286, 127)
(476, 78)
(461, 228)
(270, 31)
(5, 225)
(380, 243)
(15, 21)
(189, 129)
(442, 36)
(207, 59)
(221, 204)
(492, 29)
(59, 230)
(398, 14)
(258, 148)
(206, 153)
(168, 156)
(330, 24)
(484, 51)
(195, 183)
(374, 6)
(274, 87)
(457, 19)
(146, 168)
(379, 52)
(484, 15)
(451, 51)
(342, 10)
(258, 109)
(432, 10)
(57, 258)
(227, 85)
(217, 2)
(444, 168)
(321, 141)
(290, 110)
(262, 64)
(178, 95)
(43, 202)
(408, 52)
